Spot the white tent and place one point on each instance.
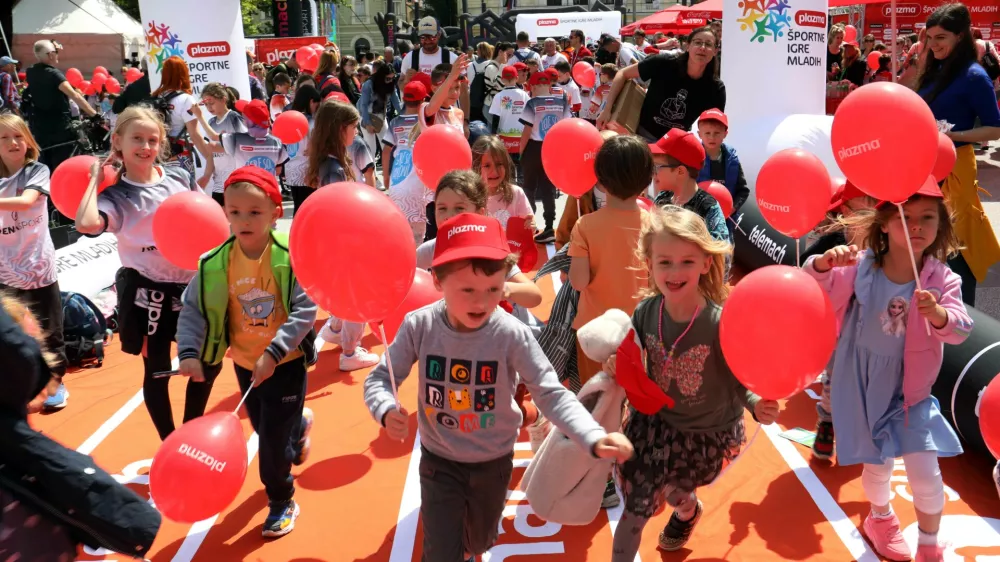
(92, 32)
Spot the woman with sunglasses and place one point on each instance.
(379, 103)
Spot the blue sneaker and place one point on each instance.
(58, 400)
(281, 518)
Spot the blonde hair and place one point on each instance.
(21, 314)
(328, 62)
(327, 138)
(484, 50)
(608, 134)
(870, 223)
(16, 124)
(685, 225)
(134, 114)
(492, 145)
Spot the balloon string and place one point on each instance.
(798, 254)
(388, 363)
(913, 260)
(244, 399)
(730, 465)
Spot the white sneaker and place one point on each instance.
(360, 359)
(328, 334)
(538, 431)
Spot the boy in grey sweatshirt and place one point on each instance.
(470, 355)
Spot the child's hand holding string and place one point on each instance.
(263, 369)
(766, 411)
(929, 308)
(614, 446)
(840, 256)
(397, 423)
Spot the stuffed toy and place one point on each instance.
(564, 483)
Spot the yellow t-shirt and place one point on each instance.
(256, 312)
(609, 238)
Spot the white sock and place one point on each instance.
(348, 353)
(926, 538)
(885, 515)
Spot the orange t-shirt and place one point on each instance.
(609, 238)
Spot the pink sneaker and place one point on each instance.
(930, 553)
(885, 537)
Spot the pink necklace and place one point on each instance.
(670, 354)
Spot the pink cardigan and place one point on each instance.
(922, 352)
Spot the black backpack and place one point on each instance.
(85, 331)
(991, 65)
(477, 90)
(162, 105)
(415, 62)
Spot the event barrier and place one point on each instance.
(966, 369)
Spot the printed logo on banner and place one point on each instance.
(161, 44)
(210, 49)
(904, 10)
(548, 22)
(773, 21)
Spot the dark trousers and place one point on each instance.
(219, 198)
(432, 224)
(46, 304)
(959, 266)
(275, 412)
(537, 183)
(461, 505)
(299, 195)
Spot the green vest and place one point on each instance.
(214, 292)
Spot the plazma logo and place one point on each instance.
(765, 18)
(161, 44)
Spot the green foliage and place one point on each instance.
(256, 14)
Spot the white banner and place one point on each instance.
(593, 24)
(207, 35)
(89, 265)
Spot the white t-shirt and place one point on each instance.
(128, 208)
(551, 60)
(573, 92)
(361, 158)
(278, 104)
(508, 105)
(298, 162)
(427, 62)
(543, 112)
(27, 256)
(231, 122)
(405, 188)
(180, 113)
(247, 150)
(518, 207)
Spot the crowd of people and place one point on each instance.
(480, 348)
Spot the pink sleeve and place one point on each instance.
(521, 206)
(838, 282)
(959, 324)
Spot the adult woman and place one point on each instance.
(867, 45)
(680, 87)
(853, 67)
(378, 98)
(326, 79)
(958, 91)
(833, 55)
(182, 125)
(494, 84)
(349, 79)
(481, 63)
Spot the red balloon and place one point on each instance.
(113, 86)
(316, 47)
(307, 58)
(879, 126)
(568, 153)
(721, 194)
(946, 157)
(644, 203)
(421, 294)
(198, 471)
(989, 416)
(799, 318)
(188, 224)
(873, 60)
(85, 87)
(70, 181)
(584, 74)
(97, 81)
(290, 127)
(793, 191)
(440, 149)
(74, 77)
(132, 74)
(100, 70)
(375, 239)
(850, 34)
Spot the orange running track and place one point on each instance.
(360, 494)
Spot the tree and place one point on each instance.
(253, 23)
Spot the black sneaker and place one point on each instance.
(610, 496)
(280, 518)
(823, 445)
(676, 534)
(546, 236)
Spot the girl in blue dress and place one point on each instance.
(888, 357)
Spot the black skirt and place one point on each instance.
(146, 309)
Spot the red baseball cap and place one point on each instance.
(423, 78)
(651, 50)
(714, 115)
(541, 79)
(240, 105)
(928, 189)
(414, 91)
(682, 146)
(468, 236)
(338, 96)
(520, 67)
(508, 73)
(843, 192)
(257, 114)
(259, 177)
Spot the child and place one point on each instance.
(362, 161)
(522, 75)
(330, 162)
(845, 202)
(215, 98)
(704, 428)
(505, 112)
(398, 174)
(603, 243)
(577, 207)
(463, 191)
(442, 108)
(881, 385)
(149, 287)
(491, 161)
(28, 264)
(540, 114)
(468, 356)
(678, 158)
(270, 348)
(282, 94)
(606, 76)
(256, 147)
(565, 81)
(306, 102)
(721, 162)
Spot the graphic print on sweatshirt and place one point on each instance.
(460, 394)
(684, 368)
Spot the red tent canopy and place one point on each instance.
(677, 18)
